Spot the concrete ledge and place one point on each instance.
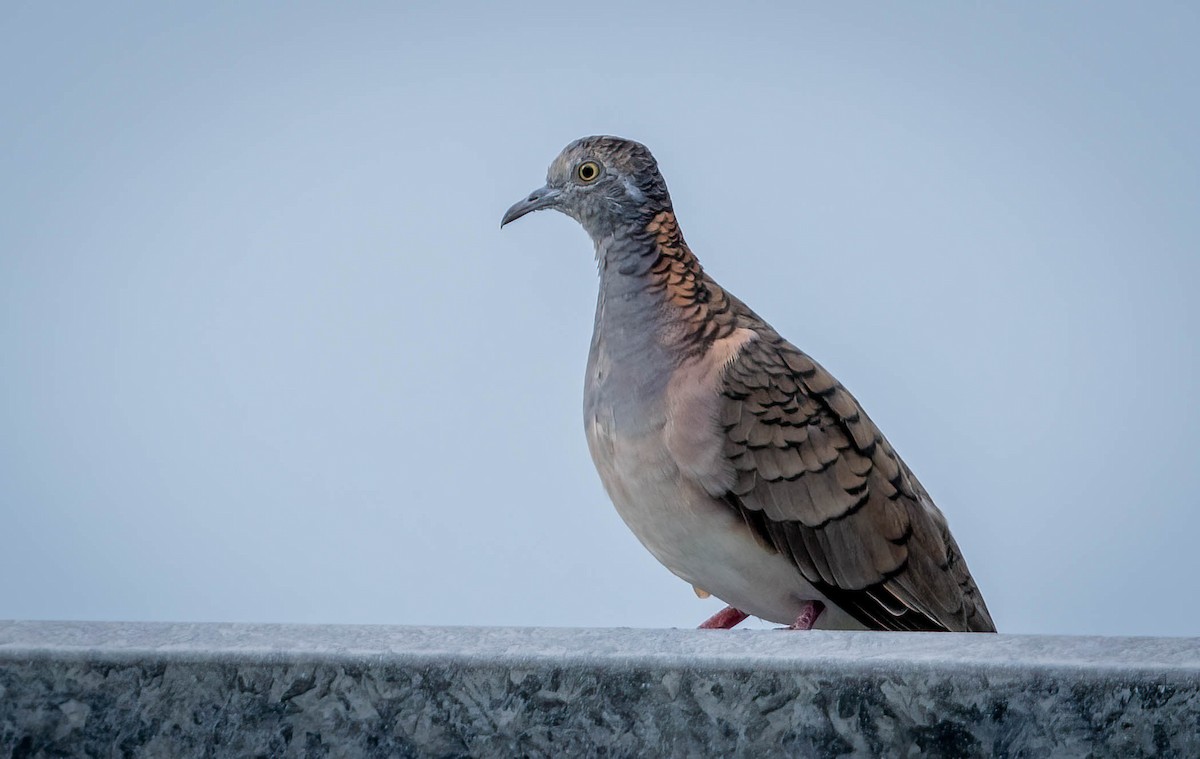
(182, 690)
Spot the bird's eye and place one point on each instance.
(588, 171)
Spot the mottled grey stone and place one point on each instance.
(199, 690)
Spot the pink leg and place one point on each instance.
(808, 617)
(725, 619)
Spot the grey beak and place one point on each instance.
(542, 197)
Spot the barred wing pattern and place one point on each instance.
(818, 483)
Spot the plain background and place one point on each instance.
(265, 356)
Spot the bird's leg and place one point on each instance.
(725, 619)
(808, 617)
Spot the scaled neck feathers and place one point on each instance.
(653, 266)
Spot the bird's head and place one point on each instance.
(604, 183)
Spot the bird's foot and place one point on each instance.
(808, 617)
(725, 619)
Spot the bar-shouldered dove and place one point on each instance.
(738, 461)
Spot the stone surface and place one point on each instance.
(184, 690)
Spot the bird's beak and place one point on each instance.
(542, 197)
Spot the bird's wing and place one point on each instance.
(817, 482)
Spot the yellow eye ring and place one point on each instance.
(588, 171)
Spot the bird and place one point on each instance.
(738, 461)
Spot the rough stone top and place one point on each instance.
(620, 648)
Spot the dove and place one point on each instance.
(738, 461)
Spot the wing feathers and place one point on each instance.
(816, 481)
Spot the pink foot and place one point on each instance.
(725, 619)
(808, 617)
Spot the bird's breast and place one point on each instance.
(632, 424)
(624, 418)
(644, 485)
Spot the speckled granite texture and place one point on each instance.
(190, 690)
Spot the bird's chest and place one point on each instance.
(643, 483)
(625, 417)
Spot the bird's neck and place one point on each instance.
(654, 293)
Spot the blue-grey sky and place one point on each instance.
(265, 356)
